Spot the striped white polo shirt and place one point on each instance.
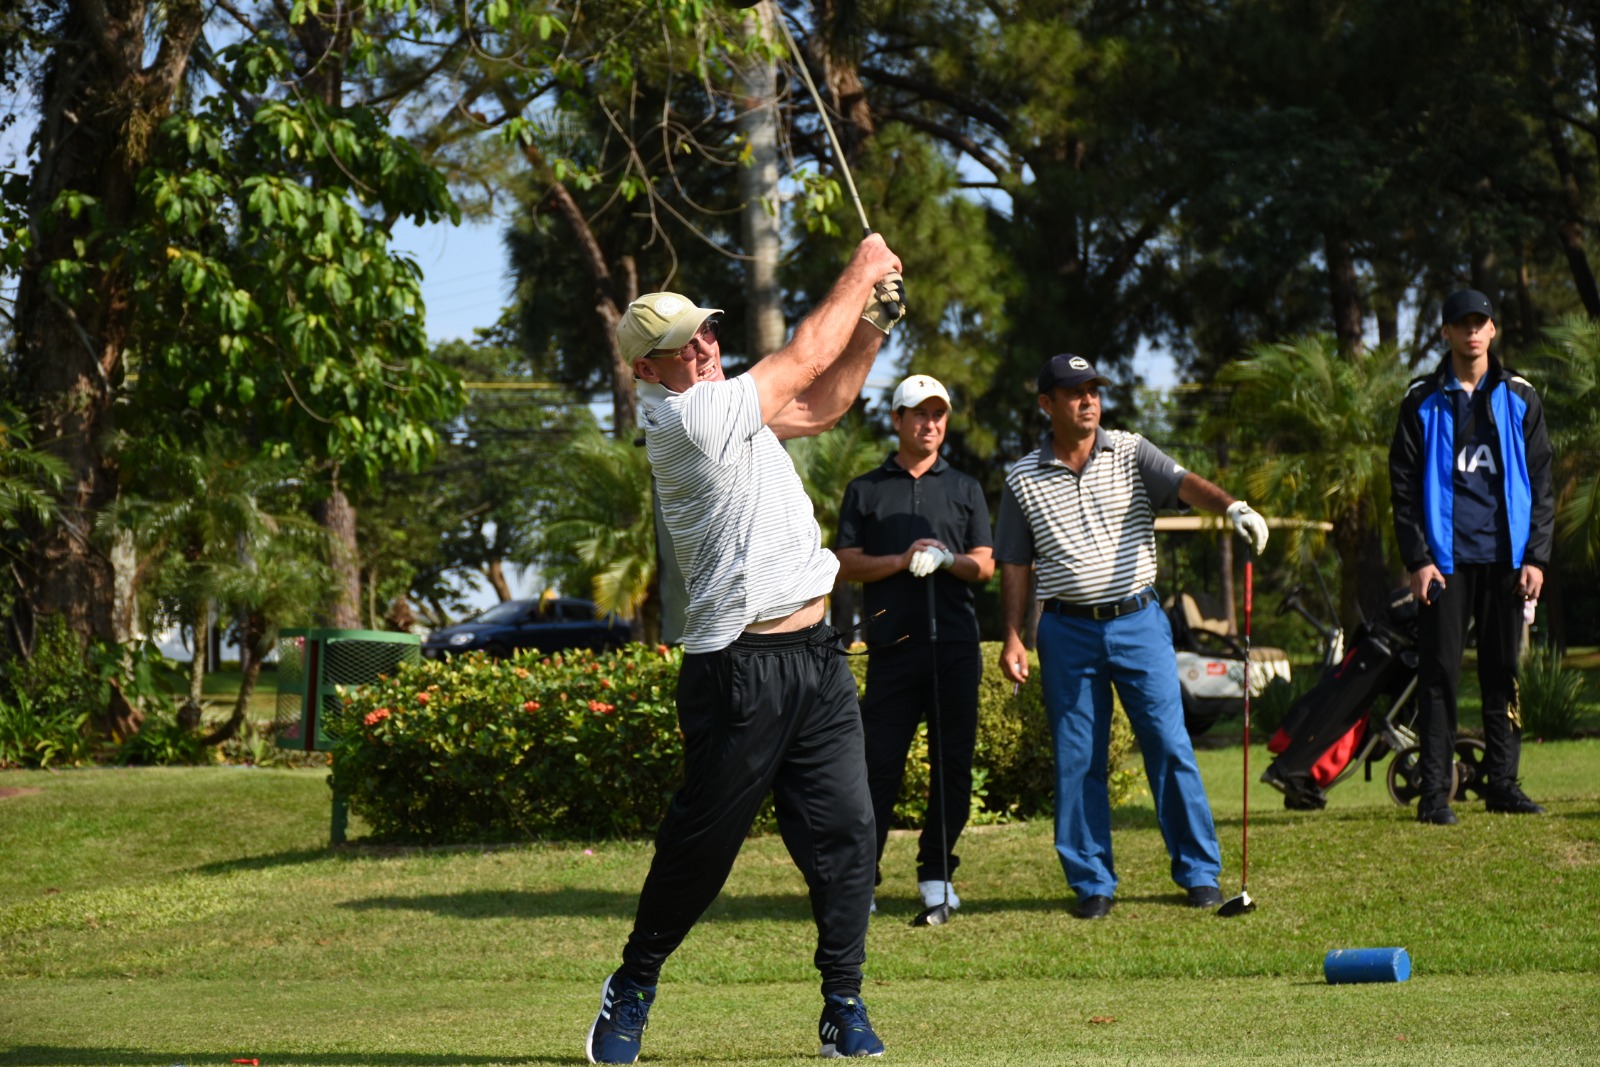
(740, 523)
(1092, 534)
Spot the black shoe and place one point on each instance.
(1509, 800)
(1204, 896)
(1438, 816)
(1095, 907)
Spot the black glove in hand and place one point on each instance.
(887, 305)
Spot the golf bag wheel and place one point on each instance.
(1470, 780)
(1405, 780)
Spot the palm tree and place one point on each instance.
(29, 482)
(608, 523)
(1571, 356)
(1315, 428)
(197, 522)
(606, 520)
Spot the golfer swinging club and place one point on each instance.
(765, 701)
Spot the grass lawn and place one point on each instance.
(157, 917)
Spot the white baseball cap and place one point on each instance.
(659, 321)
(915, 389)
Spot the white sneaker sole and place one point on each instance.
(831, 1052)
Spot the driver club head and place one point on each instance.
(937, 915)
(1239, 905)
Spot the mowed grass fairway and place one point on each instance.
(158, 917)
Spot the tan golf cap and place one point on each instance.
(659, 321)
(915, 389)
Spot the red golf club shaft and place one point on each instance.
(1244, 844)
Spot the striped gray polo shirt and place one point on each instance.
(740, 523)
(1092, 534)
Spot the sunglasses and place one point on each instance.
(706, 335)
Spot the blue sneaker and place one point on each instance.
(845, 1029)
(624, 1011)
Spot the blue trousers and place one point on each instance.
(1080, 660)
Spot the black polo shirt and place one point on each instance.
(884, 511)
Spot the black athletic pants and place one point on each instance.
(770, 713)
(1487, 594)
(899, 695)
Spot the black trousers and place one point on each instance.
(770, 713)
(899, 695)
(1485, 594)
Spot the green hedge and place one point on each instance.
(587, 744)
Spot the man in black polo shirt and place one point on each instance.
(911, 521)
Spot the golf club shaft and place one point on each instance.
(937, 757)
(816, 98)
(1244, 844)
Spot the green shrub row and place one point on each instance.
(48, 702)
(587, 744)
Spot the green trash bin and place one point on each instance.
(313, 665)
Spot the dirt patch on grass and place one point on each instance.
(16, 791)
(1577, 854)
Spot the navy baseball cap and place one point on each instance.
(1463, 302)
(1068, 370)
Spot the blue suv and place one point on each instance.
(549, 625)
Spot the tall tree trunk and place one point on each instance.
(758, 186)
(254, 630)
(838, 24)
(495, 571)
(125, 587)
(614, 290)
(1527, 316)
(1389, 293)
(338, 517)
(200, 621)
(1570, 230)
(100, 101)
(1344, 294)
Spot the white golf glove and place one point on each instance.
(1248, 525)
(887, 304)
(924, 561)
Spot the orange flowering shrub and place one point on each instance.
(476, 749)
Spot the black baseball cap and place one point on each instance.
(1068, 370)
(1463, 302)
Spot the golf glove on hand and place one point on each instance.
(1248, 525)
(887, 305)
(924, 561)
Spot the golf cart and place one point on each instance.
(1210, 657)
(1211, 663)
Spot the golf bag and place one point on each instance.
(1330, 727)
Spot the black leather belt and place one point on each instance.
(1114, 610)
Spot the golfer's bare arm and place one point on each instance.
(808, 384)
(1015, 581)
(819, 407)
(1203, 495)
(856, 566)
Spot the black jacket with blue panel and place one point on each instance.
(1422, 461)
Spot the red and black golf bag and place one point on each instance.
(1331, 726)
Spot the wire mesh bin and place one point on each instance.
(313, 664)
